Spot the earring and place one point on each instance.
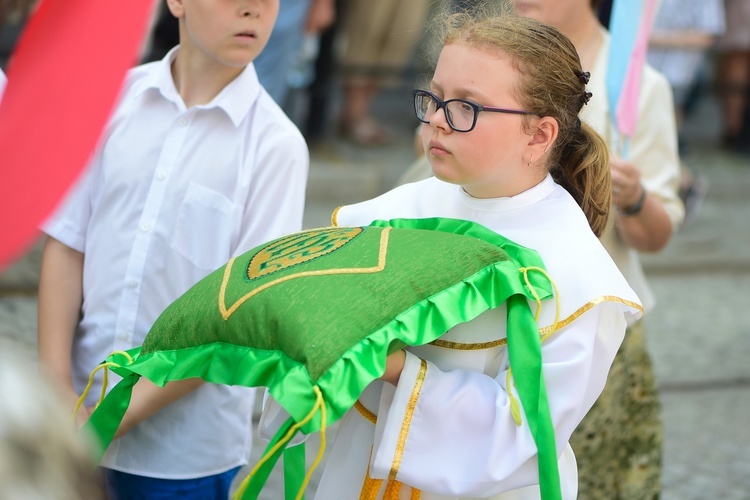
(531, 160)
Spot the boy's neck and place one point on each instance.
(200, 80)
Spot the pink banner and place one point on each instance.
(63, 79)
(627, 106)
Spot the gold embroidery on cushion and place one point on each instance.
(544, 332)
(227, 312)
(335, 216)
(298, 248)
(407, 420)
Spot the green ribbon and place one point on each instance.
(525, 353)
(261, 475)
(107, 417)
(294, 471)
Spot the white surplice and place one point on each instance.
(447, 427)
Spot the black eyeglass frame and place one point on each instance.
(477, 109)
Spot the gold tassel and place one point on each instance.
(103, 366)
(319, 406)
(370, 487)
(391, 490)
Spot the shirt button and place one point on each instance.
(132, 283)
(182, 121)
(161, 175)
(145, 227)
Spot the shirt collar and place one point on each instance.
(528, 197)
(235, 99)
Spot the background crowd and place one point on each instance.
(327, 60)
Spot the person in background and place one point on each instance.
(379, 38)
(734, 77)
(619, 443)
(299, 20)
(684, 32)
(196, 165)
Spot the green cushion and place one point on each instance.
(323, 308)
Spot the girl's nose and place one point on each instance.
(440, 120)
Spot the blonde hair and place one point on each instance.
(553, 84)
(41, 456)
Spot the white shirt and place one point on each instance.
(171, 194)
(462, 441)
(652, 149)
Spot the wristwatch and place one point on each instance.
(636, 208)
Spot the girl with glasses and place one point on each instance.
(508, 150)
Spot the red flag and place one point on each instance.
(63, 80)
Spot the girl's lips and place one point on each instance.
(437, 149)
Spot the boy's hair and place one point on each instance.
(553, 84)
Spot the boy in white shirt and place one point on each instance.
(197, 164)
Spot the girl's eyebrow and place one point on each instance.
(438, 89)
(460, 94)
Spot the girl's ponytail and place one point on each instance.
(583, 170)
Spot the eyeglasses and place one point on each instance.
(460, 114)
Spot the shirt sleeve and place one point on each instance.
(277, 200)
(452, 432)
(70, 220)
(654, 144)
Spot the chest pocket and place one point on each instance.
(206, 225)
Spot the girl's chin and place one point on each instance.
(446, 175)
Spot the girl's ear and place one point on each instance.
(545, 133)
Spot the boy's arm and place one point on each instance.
(60, 301)
(148, 399)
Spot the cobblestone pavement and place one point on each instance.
(699, 334)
